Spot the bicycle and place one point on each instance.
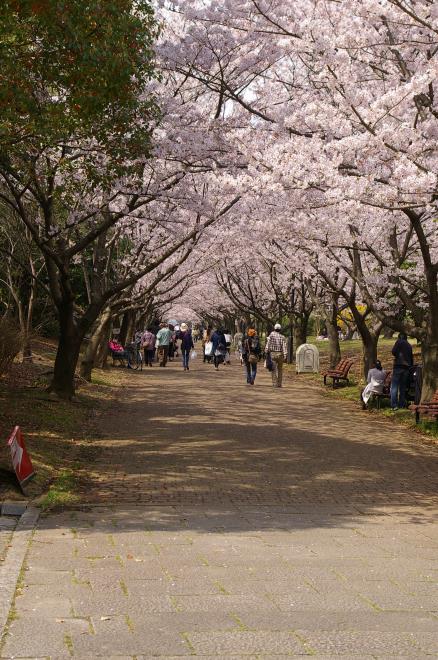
(135, 356)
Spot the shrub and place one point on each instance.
(10, 343)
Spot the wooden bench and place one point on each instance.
(427, 409)
(339, 373)
(378, 396)
(116, 357)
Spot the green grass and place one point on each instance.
(62, 492)
(57, 433)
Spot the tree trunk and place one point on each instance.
(388, 332)
(102, 350)
(88, 362)
(67, 355)
(369, 352)
(290, 344)
(301, 330)
(124, 328)
(334, 346)
(429, 352)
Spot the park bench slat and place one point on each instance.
(427, 408)
(340, 372)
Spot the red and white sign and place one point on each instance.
(20, 458)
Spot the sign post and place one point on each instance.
(20, 458)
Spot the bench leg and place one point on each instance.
(325, 380)
(417, 416)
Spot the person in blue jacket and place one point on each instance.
(186, 345)
(219, 347)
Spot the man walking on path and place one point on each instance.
(277, 347)
(164, 336)
(403, 361)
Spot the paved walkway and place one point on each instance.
(221, 520)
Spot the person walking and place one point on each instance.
(148, 345)
(219, 348)
(186, 345)
(276, 346)
(403, 362)
(164, 336)
(206, 341)
(251, 355)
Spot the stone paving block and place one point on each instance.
(388, 596)
(382, 644)
(120, 636)
(36, 635)
(100, 572)
(110, 603)
(174, 587)
(209, 657)
(186, 621)
(246, 642)
(219, 603)
(428, 641)
(34, 575)
(12, 508)
(311, 601)
(7, 523)
(44, 606)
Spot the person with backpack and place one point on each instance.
(251, 355)
(219, 347)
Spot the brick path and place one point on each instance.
(226, 521)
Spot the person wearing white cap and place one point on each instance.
(186, 345)
(276, 346)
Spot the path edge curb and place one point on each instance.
(11, 567)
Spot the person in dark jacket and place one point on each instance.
(219, 347)
(251, 354)
(403, 361)
(186, 345)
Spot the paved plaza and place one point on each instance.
(220, 520)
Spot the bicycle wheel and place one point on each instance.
(137, 362)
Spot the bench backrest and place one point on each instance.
(344, 366)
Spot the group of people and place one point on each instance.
(157, 345)
(217, 344)
(400, 377)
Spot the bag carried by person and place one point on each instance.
(268, 362)
(208, 348)
(193, 355)
(253, 358)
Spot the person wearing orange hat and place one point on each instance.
(251, 355)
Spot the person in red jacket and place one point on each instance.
(119, 352)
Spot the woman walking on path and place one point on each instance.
(206, 339)
(251, 355)
(148, 344)
(277, 347)
(219, 347)
(186, 345)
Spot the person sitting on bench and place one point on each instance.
(375, 380)
(118, 352)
